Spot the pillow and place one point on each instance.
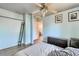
(74, 42)
(57, 41)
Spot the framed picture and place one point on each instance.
(73, 16)
(58, 18)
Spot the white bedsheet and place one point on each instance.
(41, 49)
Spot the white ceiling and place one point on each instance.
(31, 7)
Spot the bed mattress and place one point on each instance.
(41, 49)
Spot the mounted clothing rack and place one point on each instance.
(22, 31)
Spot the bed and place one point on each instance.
(41, 49)
(53, 47)
(71, 50)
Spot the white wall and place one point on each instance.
(62, 30)
(9, 28)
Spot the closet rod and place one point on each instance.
(11, 18)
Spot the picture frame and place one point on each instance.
(73, 16)
(58, 18)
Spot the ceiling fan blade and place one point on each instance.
(51, 8)
(52, 11)
(38, 5)
(37, 11)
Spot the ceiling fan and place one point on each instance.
(44, 8)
